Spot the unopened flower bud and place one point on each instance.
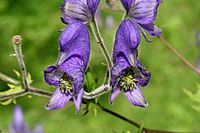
(17, 39)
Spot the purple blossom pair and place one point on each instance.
(127, 74)
(19, 126)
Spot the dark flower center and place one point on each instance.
(128, 79)
(65, 84)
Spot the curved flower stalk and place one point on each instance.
(19, 126)
(143, 13)
(79, 10)
(68, 72)
(128, 74)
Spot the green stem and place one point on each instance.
(20, 93)
(41, 92)
(127, 120)
(9, 79)
(162, 39)
(19, 55)
(101, 43)
(97, 92)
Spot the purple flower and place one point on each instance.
(110, 22)
(143, 13)
(79, 10)
(68, 72)
(19, 126)
(128, 74)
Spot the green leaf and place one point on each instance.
(11, 86)
(29, 79)
(90, 82)
(29, 96)
(194, 97)
(13, 89)
(17, 73)
(15, 101)
(196, 107)
(6, 102)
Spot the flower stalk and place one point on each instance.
(183, 59)
(9, 79)
(100, 41)
(18, 51)
(97, 92)
(22, 92)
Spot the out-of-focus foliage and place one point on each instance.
(195, 98)
(169, 108)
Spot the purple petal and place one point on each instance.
(118, 68)
(52, 75)
(127, 39)
(115, 92)
(78, 100)
(152, 29)
(74, 68)
(75, 10)
(92, 5)
(75, 40)
(38, 129)
(144, 11)
(18, 125)
(127, 4)
(58, 100)
(136, 97)
(145, 77)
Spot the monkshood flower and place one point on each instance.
(128, 74)
(79, 10)
(143, 13)
(68, 72)
(19, 126)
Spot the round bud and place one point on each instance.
(17, 39)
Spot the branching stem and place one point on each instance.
(105, 87)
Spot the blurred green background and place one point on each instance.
(169, 107)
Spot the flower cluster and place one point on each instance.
(127, 73)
